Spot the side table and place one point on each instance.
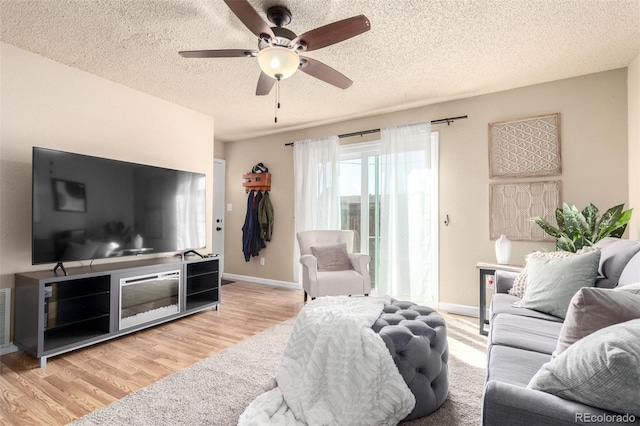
(485, 269)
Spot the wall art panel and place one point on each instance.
(525, 148)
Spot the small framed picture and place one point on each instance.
(69, 196)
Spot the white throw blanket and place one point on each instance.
(335, 371)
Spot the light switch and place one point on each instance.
(229, 207)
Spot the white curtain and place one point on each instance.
(408, 214)
(316, 188)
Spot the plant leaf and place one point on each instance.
(612, 220)
(547, 227)
(590, 214)
(560, 217)
(575, 224)
(565, 244)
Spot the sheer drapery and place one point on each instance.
(316, 188)
(408, 214)
(190, 194)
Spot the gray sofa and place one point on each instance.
(521, 340)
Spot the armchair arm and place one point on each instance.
(310, 263)
(360, 261)
(504, 280)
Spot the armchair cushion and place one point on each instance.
(332, 258)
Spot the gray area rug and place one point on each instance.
(216, 390)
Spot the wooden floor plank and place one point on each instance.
(81, 381)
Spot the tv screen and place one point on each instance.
(88, 207)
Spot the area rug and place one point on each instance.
(216, 390)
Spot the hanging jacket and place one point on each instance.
(249, 227)
(258, 242)
(265, 217)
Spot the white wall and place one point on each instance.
(47, 104)
(593, 112)
(633, 96)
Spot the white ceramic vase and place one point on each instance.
(137, 241)
(503, 250)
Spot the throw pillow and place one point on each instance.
(600, 370)
(551, 283)
(332, 258)
(631, 288)
(592, 309)
(520, 283)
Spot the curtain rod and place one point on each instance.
(447, 120)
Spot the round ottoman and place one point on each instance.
(416, 337)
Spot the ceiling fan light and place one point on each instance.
(278, 62)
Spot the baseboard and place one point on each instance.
(257, 280)
(470, 311)
(8, 349)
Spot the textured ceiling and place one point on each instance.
(418, 52)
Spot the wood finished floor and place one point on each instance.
(82, 381)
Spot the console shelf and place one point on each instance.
(56, 314)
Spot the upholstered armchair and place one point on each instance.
(329, 268)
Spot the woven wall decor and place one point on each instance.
(525, 148)
(514, 204)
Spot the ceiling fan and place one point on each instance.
(279, 49)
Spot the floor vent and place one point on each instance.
(5, 316)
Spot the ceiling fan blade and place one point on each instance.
(265, 83)
(250, 18)
(333, 33)
(324, 72)
(222, 53)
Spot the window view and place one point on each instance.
(359, 193)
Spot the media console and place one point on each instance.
(90, 304)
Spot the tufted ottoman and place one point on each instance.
(416, 337)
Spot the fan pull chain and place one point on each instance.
(277, 98)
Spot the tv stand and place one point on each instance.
(61, 266)
(86, 306)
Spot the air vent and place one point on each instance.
(5, 316)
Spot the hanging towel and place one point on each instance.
(265, 217)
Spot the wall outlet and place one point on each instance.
(262, 261)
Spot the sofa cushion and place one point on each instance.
(520, 283)
(503, 303)
(631, 272)
(332, 258)
(532, 334)
(615, 255)
(551, 283)
(592, 309)
(512, 365)
(600, 370)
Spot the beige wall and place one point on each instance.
(47, 104)
(594, 152)
(634, 145)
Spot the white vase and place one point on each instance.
(503, 250)
(137, 241)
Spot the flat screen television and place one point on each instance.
(86, 208)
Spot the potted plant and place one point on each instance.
(577, 229)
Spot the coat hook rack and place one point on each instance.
(257, 181)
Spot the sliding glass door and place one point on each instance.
(359, 198)
(410, 257)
